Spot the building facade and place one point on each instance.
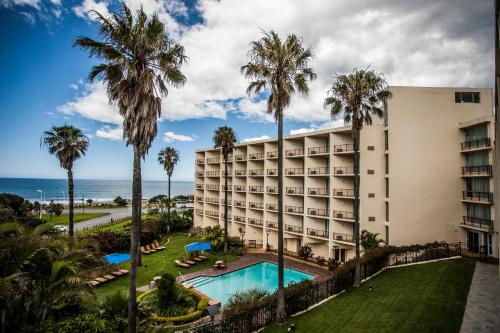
(426, 175)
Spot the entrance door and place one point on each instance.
(473, 241)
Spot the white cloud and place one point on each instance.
(110, 133)
(257, 138)
(30, 3)
(73, 86)
(85, 8)
(169, 137)
(316, 127)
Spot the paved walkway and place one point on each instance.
(482, 313)
(114, 213)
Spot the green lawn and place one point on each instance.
(64, 218)
(422, 298)
(160, 262)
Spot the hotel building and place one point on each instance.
(426, 175)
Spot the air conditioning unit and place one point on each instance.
(271, 190)
(290, 191)
(312, 212)
(338, 237)
(339, 171)
(312, 172)
(312, 192)
(340, 215)
(339, 194)
(291, 154)
(271, 172)
(290, 209)
(312, 233)
(313, 151)
(339, 150)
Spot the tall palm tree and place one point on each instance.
(139, 61)
(281, 69)
(358, 97)
(68, 144)
(225, 138)
(168, 157)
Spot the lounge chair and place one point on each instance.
(101, 280)
(144, 251)
(197, 259)
(117, 273)
(93, 283)
(190, 262)
(202, 256)
(150, 248)
(158, 246)
(124, 271)
(109, 277)
(181, 264)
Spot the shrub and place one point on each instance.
(305, 252)
(320, 260)
(120, 202)
(79, 324)
(243, 299)
(109, 241)
(332, 264)
(166, 291)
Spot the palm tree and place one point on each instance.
(358, 97)
(68, 144)
(225, 138)
(139, 62)
(168, 157)
(280, 68)
(370, 240)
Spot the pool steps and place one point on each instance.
(200, 281)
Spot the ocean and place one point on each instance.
(97, 190)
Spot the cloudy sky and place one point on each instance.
(43, 78)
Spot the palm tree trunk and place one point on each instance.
(134, 241)
(3, 319)
(71, 200)
(225, 204)
(357, 271)
(281, 313)
(168, 207)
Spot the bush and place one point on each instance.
(332, 264)
(305, 252)
(320, 260)
(110, 241)
(166, 291)
(120, 202)
(80, 324)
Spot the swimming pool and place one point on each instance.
(117, 258)
(263, 275)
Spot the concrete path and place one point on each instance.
(482, 313)
(114, 213)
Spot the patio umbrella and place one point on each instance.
(198, 246)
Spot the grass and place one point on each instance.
(422, 298)
(64, 218)
(160, 262)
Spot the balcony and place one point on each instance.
(256, 222)
(319, 171)
(477, 171)
(200, 161)
(222, 216)
(295, 190)
(294, 229)
(239, 219)
(256, 205)
(272, 207)
(272, 225)
(477, 223)
(272, 154)
(212, 173)
(240, 173)
(229, 172)
(343, 216)
(213, 160)
(347, 148)
(294, 210)
(256, 173)
(239, 203)
(199, 199)
(272, 190)
(317, 233)
(317, 212)
(199, 173)
(213, 201)
(228, 202)
(343, 238)
(223, 188)
(317, 192)
(256, 156)
(294, 171)
(322, 150)
(343, 171)
(239, 188)
(212, 187)
(256, 189)
(346, 193)
(272, 172)
(291, 153)
(477, 144)
(211, 213)
(198, 211)
(240, 158)
(477, 197)
(199, 186)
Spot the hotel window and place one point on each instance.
(467, 97)
(339, 254)
(387, 211)
(386, 137)
(386, 235)
(387, 187)
(386, 164)
(386, 115)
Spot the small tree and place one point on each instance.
(166, 290)
(305, 252)
(370, 240)
(120, 202)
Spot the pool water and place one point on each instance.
(117, 258)
(262, 275)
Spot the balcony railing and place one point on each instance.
(477, 143)
(200, 161)
(294, 228)
(256, 205)
(272, 172)
(272, 189)
(222, 216)
(212, 200)
(255, 221)
(240, 173)
(212, 173)
(239, 203)
(256, 189)
(318, 171)
(199, 173)
(223, 202)
(349, 170)
(294, 190)
(317, 191)
(199, 199)
(294, 171)
(317, 212)
(223, 188)
(212, 187)
(344, 148)
(272, 225)
(343, 237)
(199, 186)
(343, 192)
(272, 207)
(239, 218)
(272, 154)
(478, 196)
(294, 209)
(317, 150)
(340, 214)
(317, 233)
(240, 158)
(477, 170)
(256, 156)
(229, 172)
(211, 213)
(198, 211)
(477, 222)
(239, 188)
(256, 172)
(213, 160)
(294, 152)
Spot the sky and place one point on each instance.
(43, 81)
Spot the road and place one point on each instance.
(114, 213)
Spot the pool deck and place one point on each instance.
(249, 259)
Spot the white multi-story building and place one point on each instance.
(426, 175)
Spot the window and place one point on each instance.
(467, 97)
(386, 235)
(387, 211)
(386, 164)
(339, 254)
(386, 116)
(386, 138)
(387, 187)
